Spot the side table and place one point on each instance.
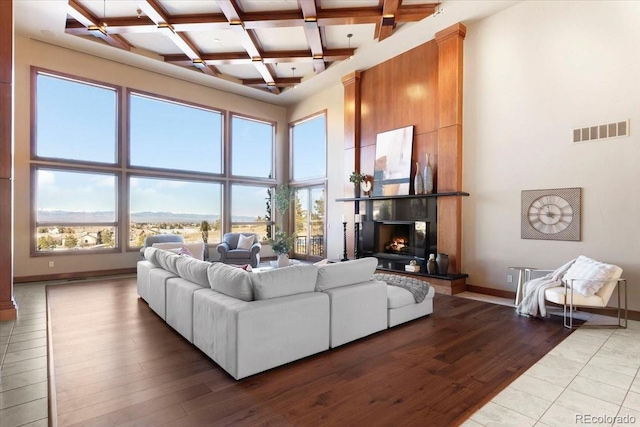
(523, 276)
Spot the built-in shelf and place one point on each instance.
(413, 196)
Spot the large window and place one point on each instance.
(251, 210)
(172, 206)
(75, 120)
(169, 135)
(309, 148)
(308, 172)
(252, 143)
(171, 175)
(76, 210)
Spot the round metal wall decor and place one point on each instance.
(552, 214)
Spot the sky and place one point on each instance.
(77, 121)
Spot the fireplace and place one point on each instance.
(401, 239)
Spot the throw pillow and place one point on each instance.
(185, 251)
(590, 275)
(245, 242)
(284, 281)
(246, 267)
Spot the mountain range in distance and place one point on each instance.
(57, 216)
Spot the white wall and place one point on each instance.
(532, 74)
(30, 52)
(332, 100)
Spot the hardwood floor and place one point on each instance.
(117, 363)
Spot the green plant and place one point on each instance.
(282, 243)
(357, 177)
(282, 197)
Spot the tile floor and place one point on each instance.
(594, 372)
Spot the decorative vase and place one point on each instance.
(427, 177)
(283, 260)
(356, 190)
(442, 260)
(417, 181)
(432, 267)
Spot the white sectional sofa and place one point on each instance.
(248, 322)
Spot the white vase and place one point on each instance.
(283, 260)
(427, 177)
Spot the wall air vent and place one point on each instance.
(610, 130)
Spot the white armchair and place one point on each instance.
(587, 283)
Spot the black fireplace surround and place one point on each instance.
(399, 231)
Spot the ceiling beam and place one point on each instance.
(312, 33)
(388, 19)
(156, 13)
(89, 20)
(273, 57)
(232, 11)
(280, 82)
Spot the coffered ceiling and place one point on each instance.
(269, 45)
(258, 48)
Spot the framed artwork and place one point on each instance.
(392, 169)
(551, 214)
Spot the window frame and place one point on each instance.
(308, 188)
(271, 223)
(229, 159)
(171, 177)
(35, 71)
(292, 125)
(34, 224)
(171, 100)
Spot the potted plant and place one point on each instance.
(282, 245)
(356, 178)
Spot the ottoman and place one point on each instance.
(402, 307)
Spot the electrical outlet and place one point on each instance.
(509, 278)
(52, 264)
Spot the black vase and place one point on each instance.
(432, 266)
(443, 264)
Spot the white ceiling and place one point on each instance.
(45, 20)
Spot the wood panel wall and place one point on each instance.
(8, 309)
(421, 87)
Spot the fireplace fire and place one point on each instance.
(397, 245)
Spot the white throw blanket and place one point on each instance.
(533, 292)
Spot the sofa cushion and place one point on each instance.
(193, 270)
(167, 260)
(284, 281)
(196, 249)
(231, 281)
(587, 268)
(398, 297)
(345, 273)
(150, 254)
